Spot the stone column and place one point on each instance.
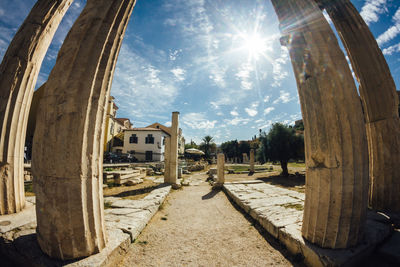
(220, 169)
(335, 139)
(174, 148)
(18, 74)
(68, 138)
(167, 161)
(251, 160)
(380, 101)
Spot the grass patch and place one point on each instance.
(107, 204)
(28, 189)
(293, 206)
(295, 164)
(108, 169)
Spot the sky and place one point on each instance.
(219, 63)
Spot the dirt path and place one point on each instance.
(199, 227)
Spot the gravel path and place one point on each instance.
(199, 227)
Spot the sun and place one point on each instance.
(254, 45)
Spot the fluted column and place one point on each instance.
(167, 160)
(68, 138)
(335, 140)
(380, 101)
(18, 74)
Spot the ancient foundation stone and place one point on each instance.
(67, 147)
(335, 139)
(18, 74)
(380, 101)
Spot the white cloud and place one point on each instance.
(267, 98)
(251, 112)
(237, 121)
(173, 55)
(140, 88)
(234, 113)
(391, 49)
(168, 123)
(284, 97)
(328, 19)
(392, 32)
(243, 75)
(372, 9)
(197, 121)
(277, 70)
(179, 73)
(268, 110)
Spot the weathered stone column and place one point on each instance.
(252, 160)
(68, 138)
(221, 169)
(380, 101)
(173, 175)
(167, 161)
(335, 140)
(18, 74)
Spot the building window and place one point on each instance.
(149, 139)
(149, 155)
(133, 139)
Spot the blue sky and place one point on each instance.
(217, 62)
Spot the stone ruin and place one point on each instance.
(346, 150)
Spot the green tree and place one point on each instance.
(191, 145)
(282, 144)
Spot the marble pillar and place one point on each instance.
(380, 102)
(18, 75)
(167, 161)
(67, 148)
(251, 160)
(173, 175)
(335, 139)
(221, 168)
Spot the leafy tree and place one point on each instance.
(191, 145)
(230, 148)
(281, 144)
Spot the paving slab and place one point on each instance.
(280, 212)
(124, 222)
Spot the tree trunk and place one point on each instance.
(285, 171)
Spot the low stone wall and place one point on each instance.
(280, 212)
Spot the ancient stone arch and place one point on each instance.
(18, 74)
(67, 144)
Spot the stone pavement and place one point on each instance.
(124, 221)
(280, 212)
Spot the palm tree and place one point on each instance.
(207, 143)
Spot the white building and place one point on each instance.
(146, 144)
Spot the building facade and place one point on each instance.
(145, 144)
(181, 139)
(114, 127)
